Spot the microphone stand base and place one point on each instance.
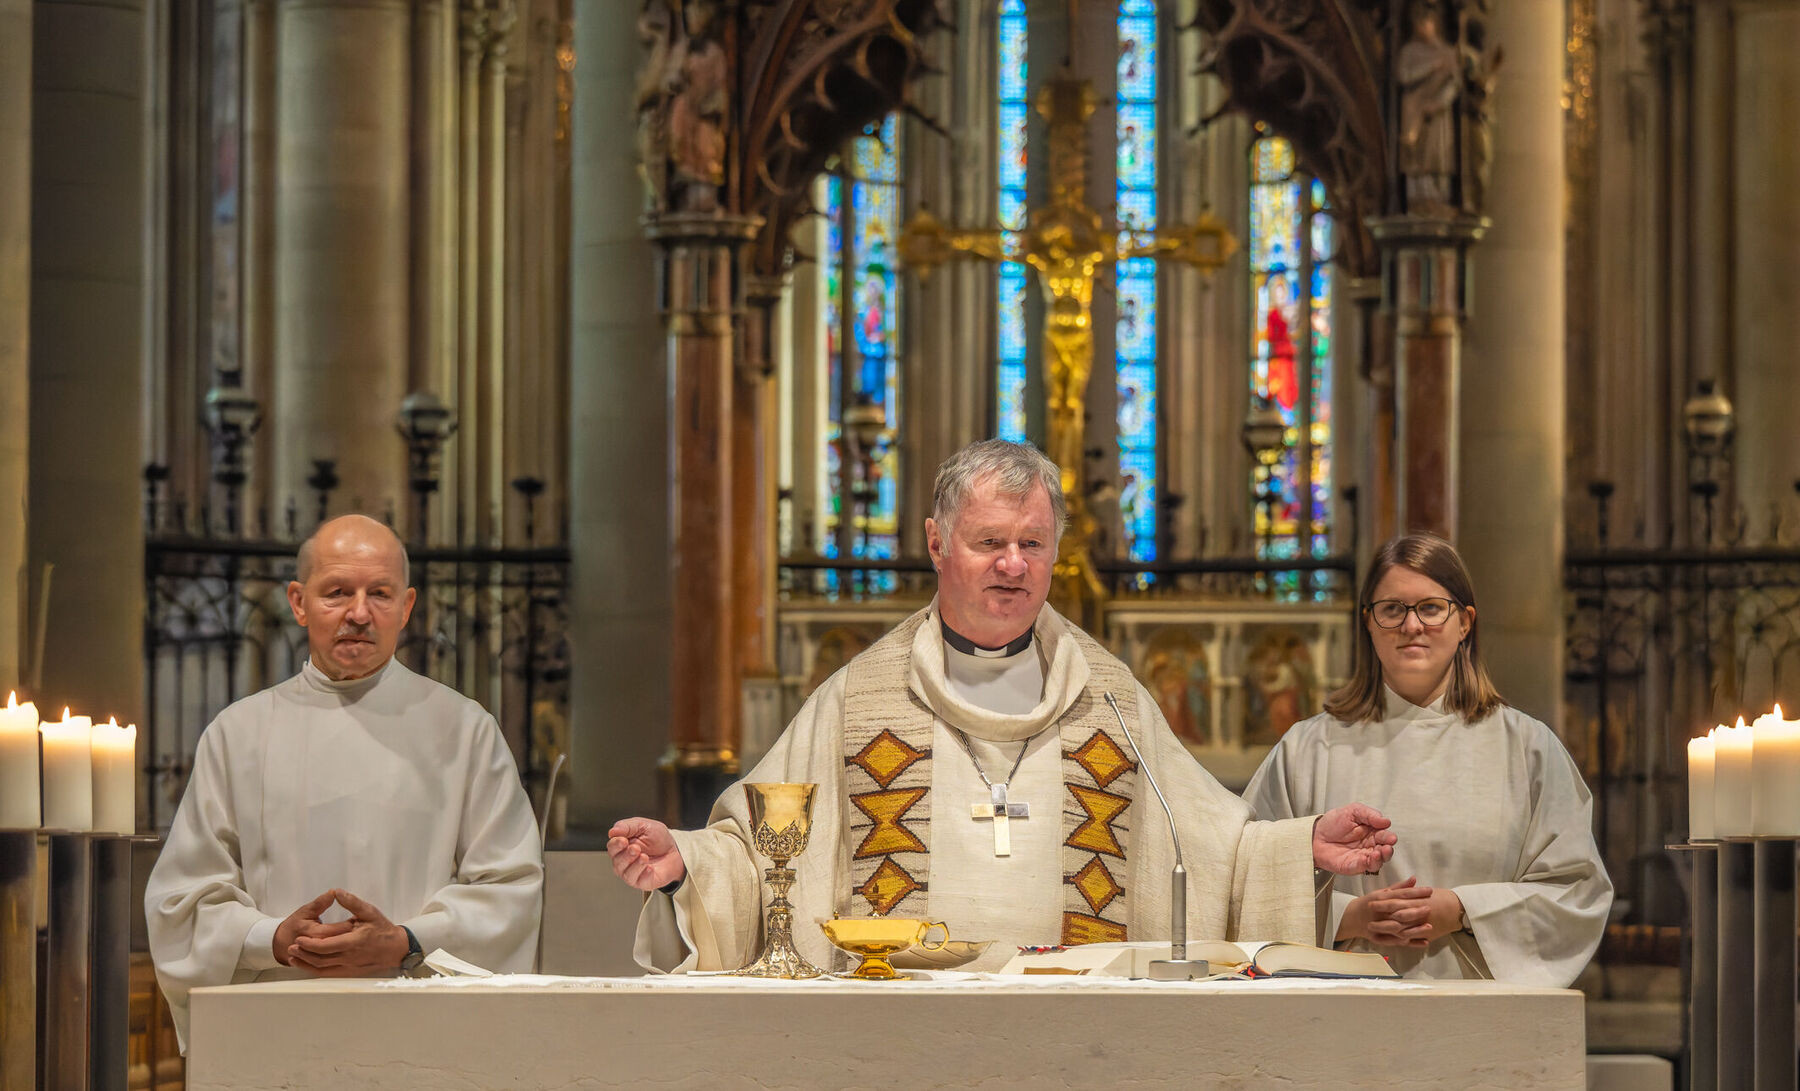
(1185, 969)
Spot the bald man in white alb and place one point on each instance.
(351, 818)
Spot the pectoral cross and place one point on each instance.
(1000, 811)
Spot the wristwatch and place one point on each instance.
(414, 953)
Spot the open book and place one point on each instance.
(1132, 960)
(1280, 959)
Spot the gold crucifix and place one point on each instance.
(1065, 243)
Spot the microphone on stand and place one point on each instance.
(1177, 967)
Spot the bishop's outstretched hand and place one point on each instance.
(643, 853)
(1352, 840)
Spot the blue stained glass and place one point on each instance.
(1137, 319)
(1014, 113)
(1137, 58)
(1012, 210)
(1136, 132)
(1137, 209)
(1135, 331)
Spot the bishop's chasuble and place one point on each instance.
(895, 830)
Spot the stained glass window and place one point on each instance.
(1291, 338)
(1136, 277)
(860, 236)
(1014, 110)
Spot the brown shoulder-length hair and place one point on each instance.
(1471, 693)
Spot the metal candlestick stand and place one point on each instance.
(1741, 992)
(67, 1002)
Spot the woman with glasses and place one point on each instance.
(1496, 873)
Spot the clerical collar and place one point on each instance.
(968, 647)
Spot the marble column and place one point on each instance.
(1510, 525)
(1764, 318)
(342, 217)
(619, 606)
(15, 323)
(1425, 261)
(88, 259)
(698, 266)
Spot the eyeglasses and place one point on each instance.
(1391, 613)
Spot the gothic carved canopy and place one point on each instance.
(1313, 71)
(741, 103)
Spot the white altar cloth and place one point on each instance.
(946, 1030)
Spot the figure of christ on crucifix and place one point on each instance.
(1066, 245)
(988, 695)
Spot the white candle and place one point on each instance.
(18, 765)
(115, 777)
(68, 773)
(1775, 769)
(1700, 788)
(1732, 815)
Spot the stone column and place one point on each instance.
(804, 405)
(1510, 529)
(753, 553)
(432, 327)
(950, 345)
(619, 605)
(15, 324)
(1764, 320)
(88, 190)
(256, 271)
(343, 285)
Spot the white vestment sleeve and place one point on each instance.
(1541, 928)
(713, 921)
(1246, 879)
(1269, 800)
(195, 906)
(490, 914)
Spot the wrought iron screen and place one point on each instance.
(490, 623)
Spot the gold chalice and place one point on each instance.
(780, 822)
(875, 939)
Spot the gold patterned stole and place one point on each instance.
(888, 733)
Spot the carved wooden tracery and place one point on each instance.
(805, 76)
(1315, 72)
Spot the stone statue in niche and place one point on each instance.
(1429, 72)
(1480, 70)
(655, 32)
(699, 98)
(682, 99)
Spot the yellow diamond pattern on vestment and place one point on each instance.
(1096, 834)
(1079, 928)
(886, 810)
(886, 757)
(887, 887)
(1102, 759)
(1096, 885)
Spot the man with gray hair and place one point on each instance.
(352, 818)
(971, 770)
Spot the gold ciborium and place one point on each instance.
(875, 939)
(780, 822)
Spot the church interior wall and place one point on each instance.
(364, 167)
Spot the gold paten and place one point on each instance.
(875, 939)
